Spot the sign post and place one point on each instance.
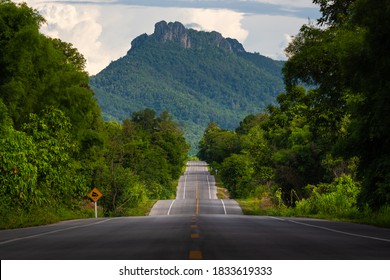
(95, 195)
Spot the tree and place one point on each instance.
(142, 159)
(334, 12)
(18, 173)
(370, 128)
(258, 149)
(59, 176)
(37, 71)
(122, 188)
(237, 172)
(218, 144)
(347, 63)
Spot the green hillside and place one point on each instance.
(198, 77)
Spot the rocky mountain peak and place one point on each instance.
(188, 38)
(173, 31)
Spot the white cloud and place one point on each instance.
(288, 3)
(103, 32)
(227, 22)
(77, 25)
(270, 35)
(121, 24)
(287, 39)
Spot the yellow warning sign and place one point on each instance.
(95, 194)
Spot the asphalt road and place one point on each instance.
(196, 195)
(184, 234)
(196, 237)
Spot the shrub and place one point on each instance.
(338, 199)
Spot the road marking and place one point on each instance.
(276, 218)
(197, 199)
(194, 235)
(185, 184)
(195, 255)
(51, 232)
(341, 232)
(170, 207)
(208, 183)
(224, 208)
(333, 230)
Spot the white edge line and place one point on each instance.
(341, 232)
(333, 230)
(224, 208)
(185, 183)
(276, 218)
(208, 182)
(170, 207)
(51, 232)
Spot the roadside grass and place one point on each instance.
(142, 209)
(222, 192)
(48, 215)
(42, 216)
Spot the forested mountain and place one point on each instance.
(199, 77)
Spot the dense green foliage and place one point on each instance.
(37, 72)
(142, 158)
(324, 148)
(54, 146)
(197, 85)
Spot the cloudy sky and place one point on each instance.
(102, 30)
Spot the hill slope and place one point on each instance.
(198, 77)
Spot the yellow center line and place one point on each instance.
(195, 235)
(197, 199)
(195, 255)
